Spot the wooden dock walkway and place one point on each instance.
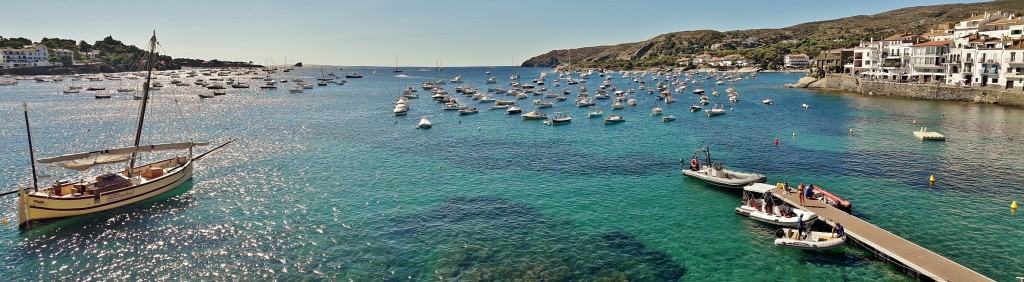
(925, 263)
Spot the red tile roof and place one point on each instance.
(932, 43)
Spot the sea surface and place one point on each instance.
(329, 185)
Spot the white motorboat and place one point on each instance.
(498, 107)
(613, 118)
(559, 118)
(353, 75)
(534, 115)
(809, 240)
(513, 110)
(296, 89)
(631, 102)
(806, 106)
(695, 108)
(596, 112)
(457, 79)
(545, 104)
(491, 80)
(668, 118)
(424, 123)
(768, 102)
(704, 100)
(99, 95)
(718, 109)
(202, 95)
(760, 204)
(401, 109)
(587, 102)
(617, 105)
(656, 111)
(468, 111)
(715, 173)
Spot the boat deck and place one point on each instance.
(887, 245)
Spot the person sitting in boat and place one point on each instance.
(838, 231)
(694, 164)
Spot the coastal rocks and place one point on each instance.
(804, 82)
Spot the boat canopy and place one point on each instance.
(758, 188)
(84, 161)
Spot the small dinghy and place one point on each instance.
(768, 102)
(715, 173)
(759, 203)
(668, 118)
(806, 106)
(809, 240)
(424, 123)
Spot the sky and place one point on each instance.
(417, 32)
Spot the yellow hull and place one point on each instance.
(41, 207)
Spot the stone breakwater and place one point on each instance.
(913, 90)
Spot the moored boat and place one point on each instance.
(424, 123)
(114, 188)
(809, 240)
(760, 204)
(715, 173)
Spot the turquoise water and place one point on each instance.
(329, 185)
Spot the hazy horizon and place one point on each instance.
(419, 33)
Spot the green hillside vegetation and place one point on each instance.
(114, 54)
(767, 47)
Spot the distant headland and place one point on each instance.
(56, 56)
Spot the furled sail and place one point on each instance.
(84, 161)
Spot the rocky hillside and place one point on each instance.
(768, 46)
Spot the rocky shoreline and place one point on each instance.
(940, 92)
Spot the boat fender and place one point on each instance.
(780, 233)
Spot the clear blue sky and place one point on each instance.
(372, 32)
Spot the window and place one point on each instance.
(1013, 56)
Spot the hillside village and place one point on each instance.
(983, 50)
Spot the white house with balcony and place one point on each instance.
(927, 61)
(28, 56)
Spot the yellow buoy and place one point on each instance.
(1012, 206)
(931, 180)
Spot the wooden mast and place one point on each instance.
(31, 151)
(145, 100)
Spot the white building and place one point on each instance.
(867, 59)
(927, 61)
(796, 61)
(29, 56)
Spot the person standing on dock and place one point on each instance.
(800, 193)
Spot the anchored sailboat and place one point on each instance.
(109, 189)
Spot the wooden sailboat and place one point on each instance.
(111, 189)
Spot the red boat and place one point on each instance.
(831, 199)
